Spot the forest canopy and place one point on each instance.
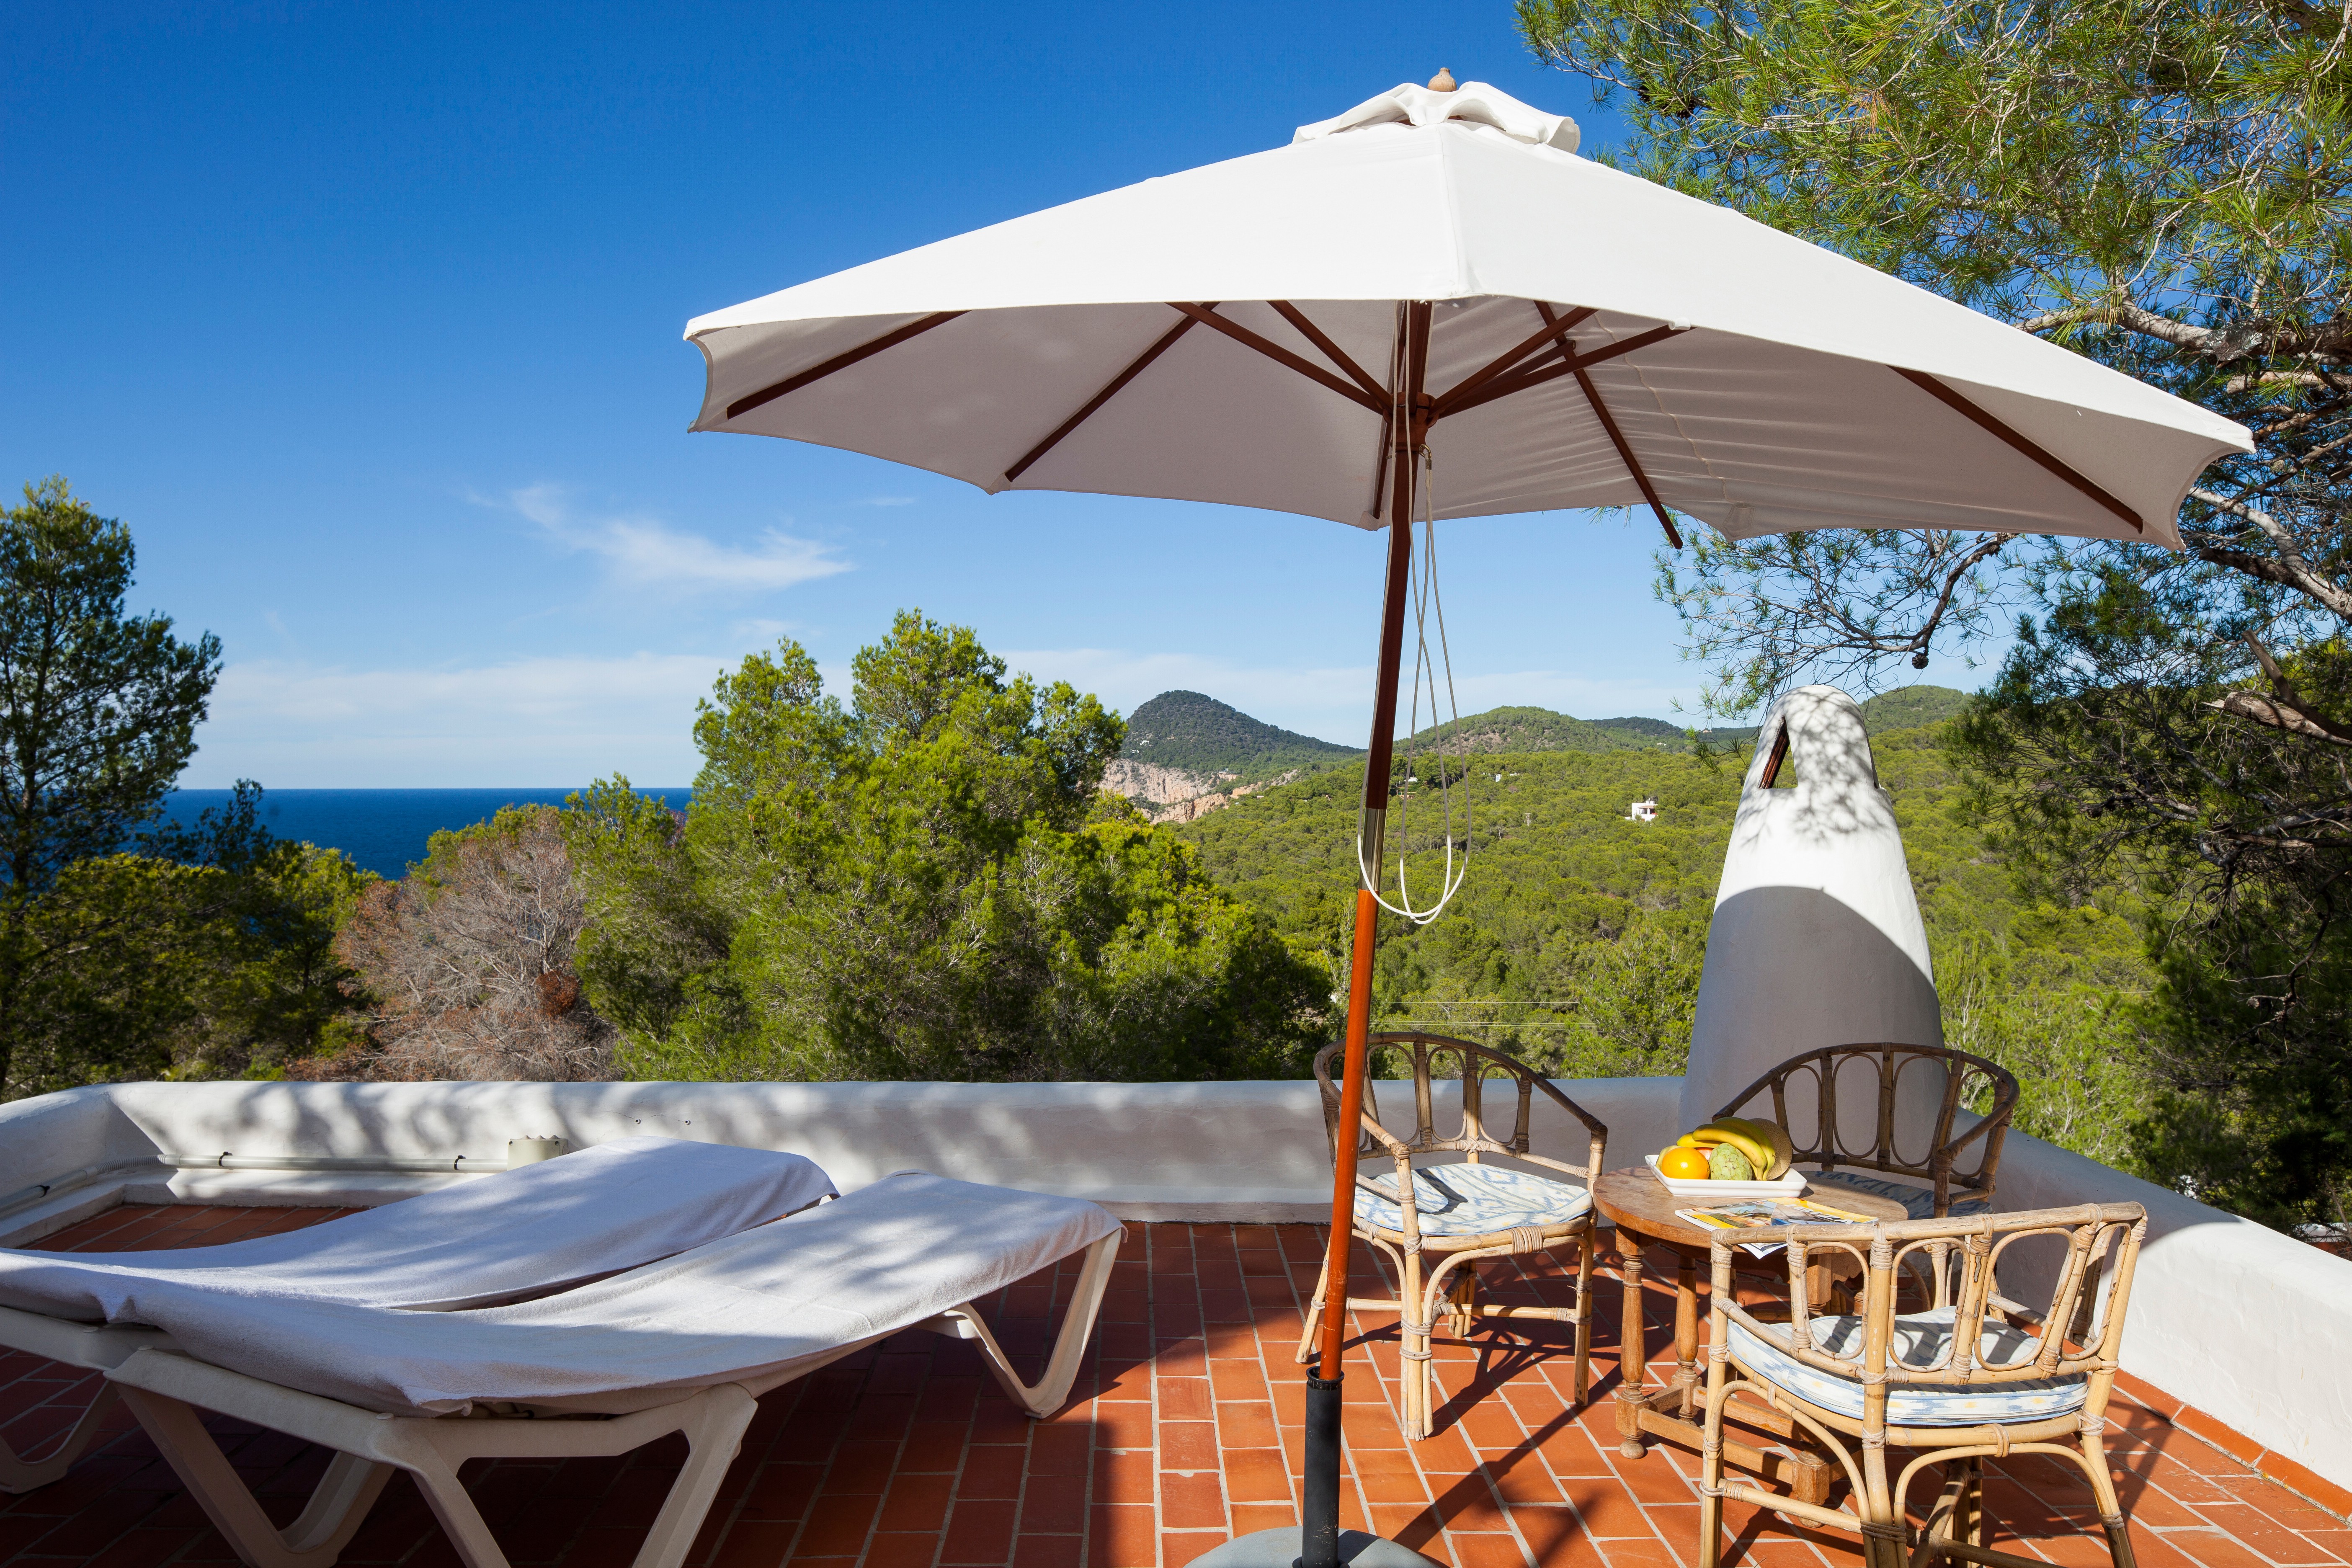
(924, 882)
(2162, 186)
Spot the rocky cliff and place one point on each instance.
(1179, 794)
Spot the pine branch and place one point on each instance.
(2222, 345)
(2291, 570)
(2280, 715)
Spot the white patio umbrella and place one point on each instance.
(1434, 277)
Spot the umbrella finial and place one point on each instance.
(1443, 81)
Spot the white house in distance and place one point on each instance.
(1643, 811)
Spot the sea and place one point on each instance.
(383, 830)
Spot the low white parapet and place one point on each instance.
(1253, 1150)
(2253, 1327)
(2216, 1299)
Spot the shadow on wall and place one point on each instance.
(1785, 984)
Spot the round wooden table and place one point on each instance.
(1637, 1203)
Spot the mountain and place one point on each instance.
(1643, 729)
(1652, 734)
(1199, 735)
(1541, 730)
(1188, 753)
(1519, 730)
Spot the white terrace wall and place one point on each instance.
(2249, 1326)
(1146, 1151)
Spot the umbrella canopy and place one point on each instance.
(1703, 361)
(1430, 302)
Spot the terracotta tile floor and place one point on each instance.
(1186, 1428)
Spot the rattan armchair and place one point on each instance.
(1460, 1213)
(1815, 1079)
(1974, 1375)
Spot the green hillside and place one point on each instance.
(1519, 730)
(1577, 937)
(1500, 729)
(1913, 706)
(1649, 734)
(1199, 735)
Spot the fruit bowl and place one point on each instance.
(1790, 1184)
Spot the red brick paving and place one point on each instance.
(1185, 1431)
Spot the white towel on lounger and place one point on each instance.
(753, 1309)
(537, 1228)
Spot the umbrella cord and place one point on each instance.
(1426, 602)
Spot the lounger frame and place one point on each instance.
(167, 1388)
(93, 1348)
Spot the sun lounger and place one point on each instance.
(536, 1228)
(684, 1345)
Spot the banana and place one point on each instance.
(1776, 1148)
(1744, 1136)
(1784, 1150)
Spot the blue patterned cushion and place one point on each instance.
(1920, 1203)
(1472, 1200)
(1919, 1341)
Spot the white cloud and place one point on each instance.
(760, 632)
(553, 721)
(530, 721)
(642, 552)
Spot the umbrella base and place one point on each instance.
(1279, 1549)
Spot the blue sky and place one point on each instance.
(366, 318)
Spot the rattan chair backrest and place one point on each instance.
(1968, 1160)
(2080, 1325)
(1475, 1135)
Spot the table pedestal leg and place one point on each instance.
(1631, 1349)
(1686, 1331)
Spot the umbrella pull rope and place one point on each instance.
(1426, 602)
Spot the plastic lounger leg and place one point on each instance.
(713, 1440)
(314, 1541)
(1053, 1390)
(713, 1423)
(460, 1520)
(430, 1450)
(22, 1475)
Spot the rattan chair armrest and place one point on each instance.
(1560, 1166)
(1782, 1338)
(1986, 1126)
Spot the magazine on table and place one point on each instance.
(1763, 1213)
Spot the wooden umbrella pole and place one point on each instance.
(1320, 1545)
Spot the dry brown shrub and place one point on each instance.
(468, 963)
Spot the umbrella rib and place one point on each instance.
(1625, 450)
(1553, 332)
(1509, 384)
(1111, 390)
(743, 406)
(1945, 395)
(1280, 355)
(1331, 350)
(1609, 423)
(1380, 467)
